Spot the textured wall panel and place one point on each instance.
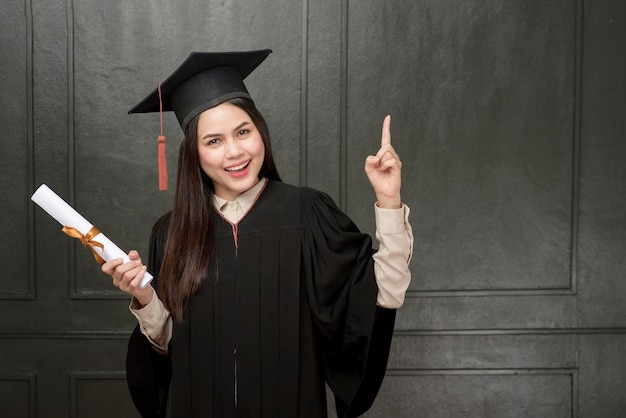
(484, 98)
(603, 171)
(601, 376)
(60, 361)
(16, 156)
(93, 393)
(484, 350)
(488, 312)
(324, 74)
(477, 393)
(17, 395)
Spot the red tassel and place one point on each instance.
(162, 156)
(162, 160)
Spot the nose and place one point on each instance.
(232, 148)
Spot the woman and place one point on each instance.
(266, 291)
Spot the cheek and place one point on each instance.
(207, 159)
(260, 148)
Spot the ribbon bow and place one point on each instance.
(87, 240)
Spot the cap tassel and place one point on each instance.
(162, 155)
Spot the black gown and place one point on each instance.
(289, 305)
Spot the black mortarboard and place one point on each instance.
(204, 80)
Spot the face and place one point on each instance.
(230, 149)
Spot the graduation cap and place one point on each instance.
(203, 80)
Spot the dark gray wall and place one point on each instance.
(510, 119)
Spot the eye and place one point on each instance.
(212, 141)
(243, 132)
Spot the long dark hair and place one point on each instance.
(190, 241)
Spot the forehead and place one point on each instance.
(224, 116)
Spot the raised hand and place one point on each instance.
(384, 171)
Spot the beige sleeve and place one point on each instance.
(155, 322)
(395, 249)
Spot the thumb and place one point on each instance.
(134, 255)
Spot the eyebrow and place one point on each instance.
(241, 125)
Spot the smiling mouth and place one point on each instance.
(237, 168)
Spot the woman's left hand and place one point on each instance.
(384, 171)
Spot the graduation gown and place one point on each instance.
(288, 304)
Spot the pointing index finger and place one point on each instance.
(386, 135)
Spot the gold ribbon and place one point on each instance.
(87, 240)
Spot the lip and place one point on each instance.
(237, 174)
(241, 163)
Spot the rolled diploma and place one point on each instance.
(67, 216)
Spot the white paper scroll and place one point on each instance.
(68, 217)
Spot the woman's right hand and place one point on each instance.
(127, 277)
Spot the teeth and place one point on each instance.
(238, 167)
